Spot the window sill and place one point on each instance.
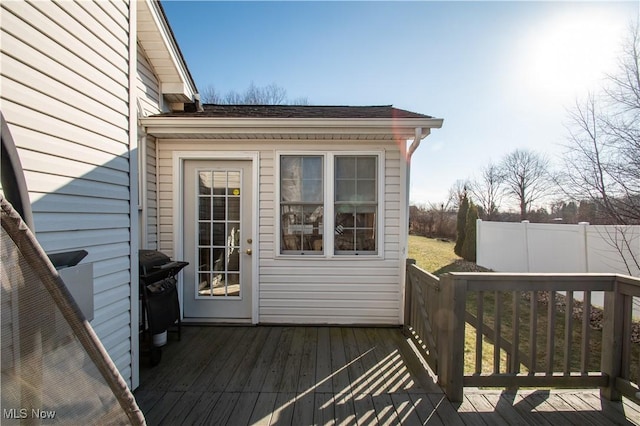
(325, 257)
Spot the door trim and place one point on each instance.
(178, 160)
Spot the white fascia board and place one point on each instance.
(204, 125)
(187, 88)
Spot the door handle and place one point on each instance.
(248, 251)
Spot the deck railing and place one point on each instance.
(530, 330)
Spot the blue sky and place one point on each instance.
(501, 74)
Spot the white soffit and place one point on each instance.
(203, 127)
(157, 41)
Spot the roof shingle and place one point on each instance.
(297, 111)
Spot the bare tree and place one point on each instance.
(603, 156)
(488, 190)
(527, 178)
(271, 94)
(603, 152)
(211, 96)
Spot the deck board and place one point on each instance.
(284, 375)
(274, 374)
(261, 368)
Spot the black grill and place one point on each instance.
(159, 297)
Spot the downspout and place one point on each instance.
(142, 153)
(416, 143)
(405, 233)
(412, 148)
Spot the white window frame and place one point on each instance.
(277, 214)
(328, 250)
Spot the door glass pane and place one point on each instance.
(233, 260)
(219, 183)
(204, 183)
(219, 207)
(233, 183)
(204, 284)
(204, 234)
(233, 234)
(234, 208)
(204, 208)
(205, 259)
(218, 234)
(219, 260)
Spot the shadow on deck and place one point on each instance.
(334, 375)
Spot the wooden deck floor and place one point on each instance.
(334, 375)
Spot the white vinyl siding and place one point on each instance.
(338, 290)
(65, 96)
(152, 195)
(148, 87)
(149, 103)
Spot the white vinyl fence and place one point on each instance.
(558, 248)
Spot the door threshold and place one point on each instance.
(217, 321)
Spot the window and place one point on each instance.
(355, 204)
(301, 204)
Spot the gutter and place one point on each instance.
(419, 135)
(401, 128)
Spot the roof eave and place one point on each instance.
(157, 39)
(400, 127)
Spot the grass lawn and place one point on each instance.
(437, 256)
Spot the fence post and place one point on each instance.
(585, 243)
(451, 373)
(525, 240)
(408, 295)
(479, 243)
(612, 333)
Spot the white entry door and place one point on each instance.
(217, 240)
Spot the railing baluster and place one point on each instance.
(627, 315)
(514, 366)
(568, 331)
(586, 332)
(437, 308)
(533, 332)
(480, 316)
(551, 328)
(497, 322)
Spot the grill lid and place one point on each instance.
(154, 265)
(148, 260)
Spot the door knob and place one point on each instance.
(248, 251)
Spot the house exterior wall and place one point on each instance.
(366, 290)
(66, 98)
(149, 103)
